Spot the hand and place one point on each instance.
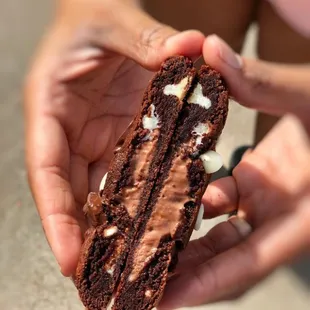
(270, 188)
(82, 91)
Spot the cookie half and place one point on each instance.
(167, 223)
(114, 212)
(148, 207)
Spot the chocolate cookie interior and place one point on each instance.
(146, 212)
(167, 223)
(129, 183)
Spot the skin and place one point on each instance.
(276, 41)
(84, 87)
(270, 188)
(81, 93)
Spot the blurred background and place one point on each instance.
(29, 276)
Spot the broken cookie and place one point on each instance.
(149, 201)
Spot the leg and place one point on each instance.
(277, 42)
(229, 19)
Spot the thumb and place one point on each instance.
(135, 34)
(271, 88)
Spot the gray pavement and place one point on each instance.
(29, 276)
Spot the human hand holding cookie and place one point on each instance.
(270, 188)
(81, 93)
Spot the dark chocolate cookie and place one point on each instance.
(148, 207)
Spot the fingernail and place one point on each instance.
(199, 217)
(225, 52)
(242, 226)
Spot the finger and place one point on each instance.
(242, 266)
(79, 179)
(47, 163)
(271, 88)
(220, 238)
(221, 197)
(262, 174)
(247, 153)
(137, 35)
(97, 171)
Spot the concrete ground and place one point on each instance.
(29, 276)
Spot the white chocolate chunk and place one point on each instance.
(110, 231)
(147, 259)
(111, 304)
(148, 293)
(212, 161)
(150, 122)
(102, 183)
(110, 271)
(200, 130)
(197, 97)
(177, 90)
(199, 217)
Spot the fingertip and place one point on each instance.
(171, 43)
(241, 225)
(221, 197)
(188, 43)
(66, 270)
(211, 52)
(68, 263)
(220, 55)
(65, 239)
(68, 260)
